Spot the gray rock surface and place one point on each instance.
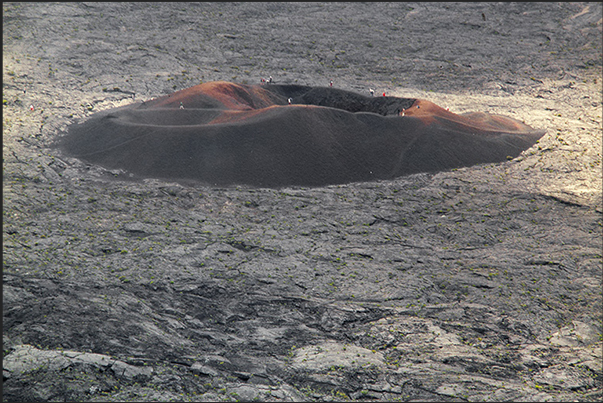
(482, 283)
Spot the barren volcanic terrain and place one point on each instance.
(464, 283)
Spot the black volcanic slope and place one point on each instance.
(221, 133)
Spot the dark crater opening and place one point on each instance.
(341, 99)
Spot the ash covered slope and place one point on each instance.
(226, 134)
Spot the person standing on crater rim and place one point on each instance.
(372, 92)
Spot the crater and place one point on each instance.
(227, 134)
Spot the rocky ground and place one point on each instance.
(482, 283)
